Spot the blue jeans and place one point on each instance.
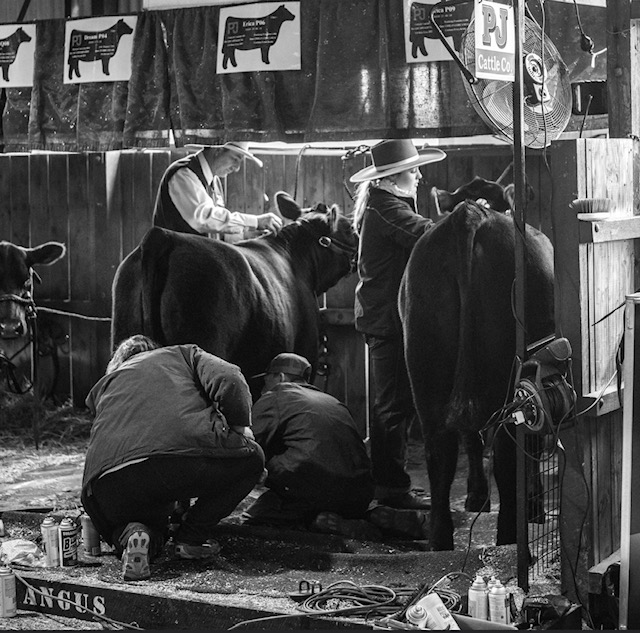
(392, 411)
(145, 493)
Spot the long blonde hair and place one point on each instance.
(362, 199)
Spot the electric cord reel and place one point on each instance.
(543, 398)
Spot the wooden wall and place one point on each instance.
(100, 205)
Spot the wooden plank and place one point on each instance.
(5, 196)
(597, 571)
(129, 211)
(144, 196)
(598, 231)
(274, 179)
(19, 201)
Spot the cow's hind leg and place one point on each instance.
(478, 499)
(264, 51)
(504, 470)
(441, 450)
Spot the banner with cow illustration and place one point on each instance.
(422, 41)
(256, 37)
(98, 49)
(17, 48)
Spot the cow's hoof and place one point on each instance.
(477, 504)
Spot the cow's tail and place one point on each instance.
(155, 249)
(464, 408)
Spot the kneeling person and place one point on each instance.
(170, 423)
(315, 458)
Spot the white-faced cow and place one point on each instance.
(245, 302)
(9, 49)
(455, 303)
(16, 302)
(246, 34)
(90, 46)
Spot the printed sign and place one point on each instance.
(98, 49)
(495, 41)
(422, 43)
(17, 48)
(256, 37)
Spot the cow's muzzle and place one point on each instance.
(14, 325)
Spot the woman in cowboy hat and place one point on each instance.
(386, 220)
(190, 197)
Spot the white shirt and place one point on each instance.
(204, 209)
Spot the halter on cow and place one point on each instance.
(244, 302)
(17, 308)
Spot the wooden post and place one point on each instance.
(623, 67)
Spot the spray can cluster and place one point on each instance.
(489, 601)
(60, 541)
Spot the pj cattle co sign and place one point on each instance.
(495, 41)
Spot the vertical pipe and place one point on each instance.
(519, 219)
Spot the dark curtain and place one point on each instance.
(354, 83)
(70, 117)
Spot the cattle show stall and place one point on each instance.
(99, 204)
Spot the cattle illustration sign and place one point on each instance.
(98, 49)
(422, 43)
(17, 48)
(495, 41)
(255, 37)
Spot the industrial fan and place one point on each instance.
(547, 89)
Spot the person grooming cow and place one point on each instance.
(190, 198)
(386, 220)
(171, 423)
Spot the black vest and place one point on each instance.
(165, 214)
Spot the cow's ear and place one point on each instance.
(287, 206)
(334, 214)
(46, 253)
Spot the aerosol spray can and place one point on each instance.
(417, 615)
(50, 544)
(479, 599)
(498, 603)
(68, 538)
(8, 605)
(90, 536)
(438, 616)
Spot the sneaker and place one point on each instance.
(135, 558)
(197, 552)
(407, 501)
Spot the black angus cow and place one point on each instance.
(245, 302)
(455, 303)
(9, 49)
(246, 34)
(452, 19)
(16, 302)
(90, 46)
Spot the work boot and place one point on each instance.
(197, 552)
(406, 501)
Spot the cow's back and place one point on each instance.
(456, 303)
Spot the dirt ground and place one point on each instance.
(258, 567)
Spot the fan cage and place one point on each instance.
(544, 120)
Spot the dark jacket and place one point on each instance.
(165, 213)
(312, 449)
(177, 400)
(389, 230)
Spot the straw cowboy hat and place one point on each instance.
(394, 156)
(240, 147)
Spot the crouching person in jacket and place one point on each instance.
(171, 423)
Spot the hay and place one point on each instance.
(59, 425)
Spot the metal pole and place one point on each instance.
(519, 219)
(629, 610)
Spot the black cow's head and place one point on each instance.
(332, 230)
(15, 283)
